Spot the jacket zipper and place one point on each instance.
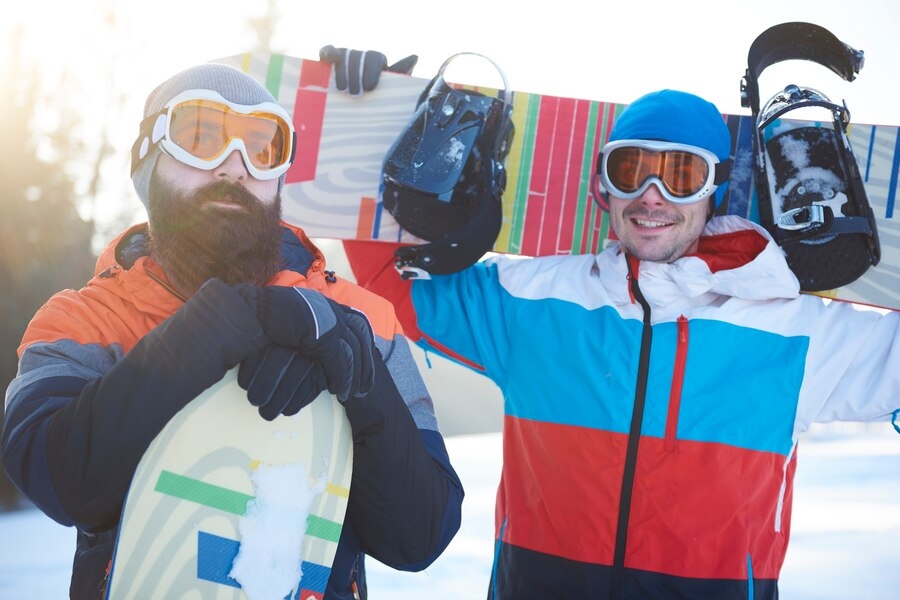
(617, 582)
(101, 587)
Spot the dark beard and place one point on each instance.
(195, 240)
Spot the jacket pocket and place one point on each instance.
(681, 348)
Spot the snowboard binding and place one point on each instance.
(443, 177)
(811, 195)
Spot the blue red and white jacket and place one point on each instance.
(652, 411)
(405, 504)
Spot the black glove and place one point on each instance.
(337, 336)
(280, 380)
(360, 70)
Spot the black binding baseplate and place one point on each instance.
(811, 195)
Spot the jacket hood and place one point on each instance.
(107, 257)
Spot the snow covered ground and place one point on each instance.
(844, 544)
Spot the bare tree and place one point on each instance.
(56, 174)
(44, 243)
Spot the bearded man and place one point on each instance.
(213, 281)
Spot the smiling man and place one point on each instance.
(661, 178)
(654, 393)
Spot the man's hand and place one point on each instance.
(359, 70)
(280, 380)
(338, 337)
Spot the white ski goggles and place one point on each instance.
(683, 174)
(200, 128)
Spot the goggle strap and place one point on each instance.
(599, 193)
(152, 129)
(723, 171)
(293, 146)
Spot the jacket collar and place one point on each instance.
(736, 258)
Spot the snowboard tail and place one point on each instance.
(197, 497)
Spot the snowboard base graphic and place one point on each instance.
(196, 500)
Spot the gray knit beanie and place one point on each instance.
(233, 84)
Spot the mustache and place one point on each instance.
(220, 190)
(635, 210)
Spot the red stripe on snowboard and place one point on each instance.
(309, 115)
(540, 172)
(593, 231)
(573, 123)
(555, 176)
(365, 226)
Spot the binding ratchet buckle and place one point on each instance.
(808, 219)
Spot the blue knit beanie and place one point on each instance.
(673, 116)
(233, 84)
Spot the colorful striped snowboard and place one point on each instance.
(198, 504)
(332, 188)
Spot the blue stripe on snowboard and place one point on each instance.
(892, 188)
(216, 554)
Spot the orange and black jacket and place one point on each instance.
(88, 400)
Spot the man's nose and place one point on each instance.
(653, 194)
(233, 167)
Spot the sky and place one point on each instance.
(602, 51)
(843, 545)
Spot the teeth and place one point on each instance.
(643, 223)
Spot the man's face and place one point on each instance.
(652, 228)
(217, 223)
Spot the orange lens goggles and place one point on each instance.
(200, 128)
(684, 174)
